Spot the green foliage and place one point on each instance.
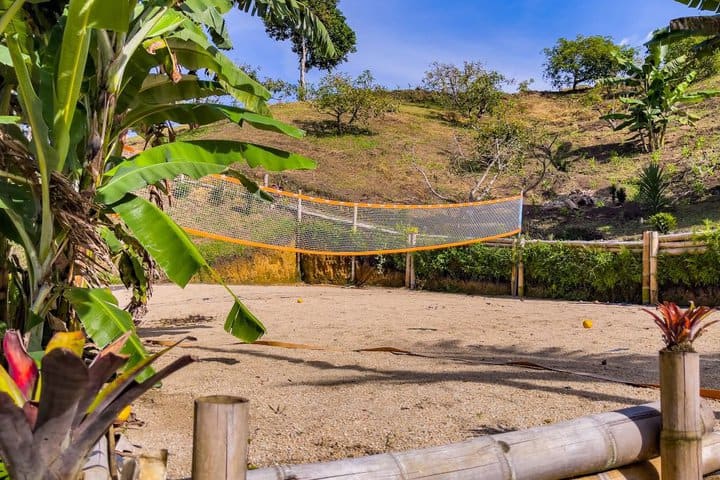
(476, 262)
(705, 64)
(653, 185)
(349, 101)
(133, 66)
(551, 270)
(585, 60)
(653, 95)
(571, 273)
(698, 270)
(309, 55)
(470, 91)
(663, 222)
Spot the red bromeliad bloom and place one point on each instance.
(21, 367)
(681, 328)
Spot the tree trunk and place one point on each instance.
(302, 90)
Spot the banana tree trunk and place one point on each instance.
(582, 446)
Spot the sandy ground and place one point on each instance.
(309, 405)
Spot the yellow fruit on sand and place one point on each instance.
(124, 414)
(587, 323)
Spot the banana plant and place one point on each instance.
(52, 417)
(76, 78)
(653, 96)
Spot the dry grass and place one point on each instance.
(378, 165)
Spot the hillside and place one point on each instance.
(380, 164)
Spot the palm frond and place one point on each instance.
(304, 19)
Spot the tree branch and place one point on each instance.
(427, 182)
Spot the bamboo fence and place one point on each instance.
(651, 246)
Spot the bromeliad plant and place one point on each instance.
(681, 328)
(51, 419)
(75, 77)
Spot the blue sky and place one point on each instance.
(398, 39)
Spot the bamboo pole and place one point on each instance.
(153, 465)
(688, 244)
(646, 268)
(578, 447)
(675, 237)
(654, 291)
(521, 271)
(220, 438)
(684, 251)
(682, 429)
(352, 259)
(651, 469)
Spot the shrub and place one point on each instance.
(652, 187)
(621, 195)
(663, 222)
(351, 101)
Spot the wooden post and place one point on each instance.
(654, 244)
(513, 279)
(514, 271)
(298, 265)
(682, 425)
(646, 268)
(410, 263)
(220, 438)
(521, 271)
(266, 180)
(352, 259)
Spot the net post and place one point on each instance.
(352, 259)
(298, 267)
(520, 213)
(410, 263)
(266, 180)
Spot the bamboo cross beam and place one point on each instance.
(583, 446)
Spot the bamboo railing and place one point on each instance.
(584, 446)
(651, 246)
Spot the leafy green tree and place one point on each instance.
(584, 60)
(77, 75)
(309, 54)
(349, 101)
(706, 64)
(471, 90)
(653, 96)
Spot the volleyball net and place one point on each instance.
(221, 208)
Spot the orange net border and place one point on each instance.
(249, 243)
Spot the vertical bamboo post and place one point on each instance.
(220, 438)
(514, 271)
(413, 239)
(646, 268)
(682, 426)
(298, 266)
(654, 244)
(352, 259)
(410, 263)
(521, 271)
